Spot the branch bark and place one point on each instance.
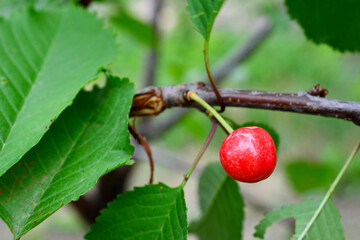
(154, 100)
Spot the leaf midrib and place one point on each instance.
(45, 60)
(59, 168)
(213, 199)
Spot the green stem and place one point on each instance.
(202, 150)
(330, 191)
(193, 96)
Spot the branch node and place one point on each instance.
(318, 91)
(150, 103)
(186, 95)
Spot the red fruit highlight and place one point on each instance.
(248, 154)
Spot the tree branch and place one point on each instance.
(262, 29)
(153, 100)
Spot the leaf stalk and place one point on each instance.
(201, 152)
(211, 79)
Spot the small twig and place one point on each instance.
(239, 55)
(142, 141)
(201, 152)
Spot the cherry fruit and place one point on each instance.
(248, 154)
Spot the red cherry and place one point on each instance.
(248, 154)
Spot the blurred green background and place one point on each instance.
(312, 149)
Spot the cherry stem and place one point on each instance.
(201, 152)
(193, 96)
(330, 191)
(211, 79)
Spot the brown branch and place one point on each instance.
(261, 32)
(299, 102)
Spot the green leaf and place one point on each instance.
(326, 226)
(7, 7)
(150, 212)
(314, 219)
(221, 205)
(89, 139)
(268, 128)
(46, 58)
(305, 176)
(332, 22)
(203, 14)
(141, 31)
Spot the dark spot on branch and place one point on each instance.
(318, 91)
(200, 84)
